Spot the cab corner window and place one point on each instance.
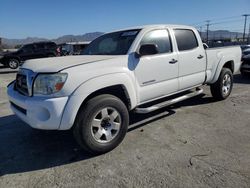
(186, 39)
(159, 38)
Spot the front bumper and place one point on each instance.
(38, 112)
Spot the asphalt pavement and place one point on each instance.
(195, 143)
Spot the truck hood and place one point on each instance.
(8, 53)
(55, 64)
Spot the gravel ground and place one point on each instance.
(196, 143)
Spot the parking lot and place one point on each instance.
(195, 143)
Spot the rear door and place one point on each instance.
(27, 52)
(50, 49)
(157, 75)
(39, 50)
(192, 58)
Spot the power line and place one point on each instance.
(223, 23)
(217, 19)
(225, 18)
(217, 23)
(220, 23)
(197, 23)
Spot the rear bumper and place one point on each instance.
(38, 112)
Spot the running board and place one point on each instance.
(169, 102)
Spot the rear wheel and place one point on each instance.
(222, 88)
(13, 63)
(101, 124)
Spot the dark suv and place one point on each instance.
(29, 51)
(245, 66)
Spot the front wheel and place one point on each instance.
(101, 124)
(222, 88)
(13, 63)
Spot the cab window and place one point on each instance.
(27, 48)
(160, 38)
(186, 39)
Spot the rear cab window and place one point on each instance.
(186, 39)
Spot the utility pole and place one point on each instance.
(248, 40)
(201, 31)
(208, 24)
(244, 33)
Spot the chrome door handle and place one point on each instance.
(200, 56)
(173, 61)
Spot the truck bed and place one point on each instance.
(219, 54)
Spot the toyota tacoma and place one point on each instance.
(139, 69)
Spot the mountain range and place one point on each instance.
(221, 34)
(217, 35)
(59, 40)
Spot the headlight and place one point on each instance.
(46, 84)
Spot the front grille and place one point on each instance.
(21, 84)
(24, 81)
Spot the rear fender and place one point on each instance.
(220, 65)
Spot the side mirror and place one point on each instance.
(148, 49)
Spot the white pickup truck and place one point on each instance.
(127, 70)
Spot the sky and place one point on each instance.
(54, 18)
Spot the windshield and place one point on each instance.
(117, 43)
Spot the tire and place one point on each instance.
(13, 63)
(222, 88)
(101, 124)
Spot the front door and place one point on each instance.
(157, 75)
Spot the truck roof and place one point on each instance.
(157, 26)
